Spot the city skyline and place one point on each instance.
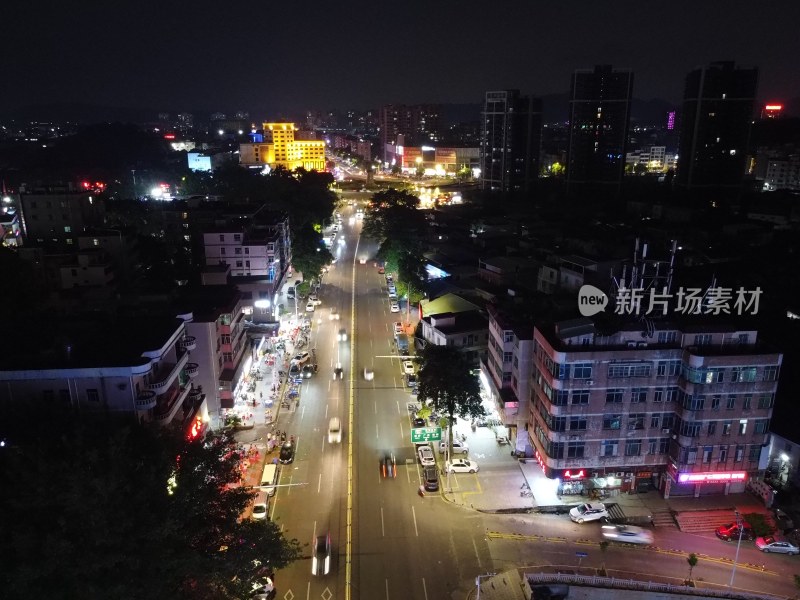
(215, 58)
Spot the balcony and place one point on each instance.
(146, 399)
(167, 374)
(191, 370)
(187, 343)
(165, 413)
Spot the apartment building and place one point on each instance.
(684, 406)
(141, 367)
(280, 149)
(506, 373)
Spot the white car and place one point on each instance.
(461, 465)
(459, 447)
(398, 328)
(369, 375)
(408, 367)
(593, 511)
(342, 335)
(425, 455)
(334, 431)
(301, 358)
(394, 307)
(362, 261)
(628, 534)
(334, 316)
(310, 306)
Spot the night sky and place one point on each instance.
(271, 56)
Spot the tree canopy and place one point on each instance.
(445, 382)
(87, 512)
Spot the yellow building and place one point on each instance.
(280, 149)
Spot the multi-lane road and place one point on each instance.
(387, 541)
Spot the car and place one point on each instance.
(334, 431)
(591, 511)
(778, 546)
(411, 380)
(408, 367)
(628, 534)
(398, 328)
(461, 465)
(313, 298)
(388, 466)
(295, 373)
(731, 531)
(392, 295)
(425, 455)
(286, 455)
(310, 306)
(301, 358)
(389, 278)
(342, 335)
(430, 478)
(338, 371)
(459, 447)
(334, 316)
(419, 422)
(381, 270)
(362, 261)
(394, 307)
(308, 371)
(321, 559)
(290, 293)
(369, 375)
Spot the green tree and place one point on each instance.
(445, 381)
(309, 254)
(102, 508)
(692, 560)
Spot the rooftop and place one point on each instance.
(449, 303)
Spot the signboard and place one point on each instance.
(581, 554)
(426, 434)
(721, 477)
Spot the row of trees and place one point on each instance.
(94, 507)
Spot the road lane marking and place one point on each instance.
(348, 575)
(291, 480)
(377, 433)
(425, 588)
(383, 531)
(319, 483)
(414, 514)
(387, 589)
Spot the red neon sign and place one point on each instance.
(774, 107)
(570, 475)
(723, 477)
(169, 136)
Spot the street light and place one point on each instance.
(739, 524)
(478, 583)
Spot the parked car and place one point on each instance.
(731, 532)
(295, 373)
(321, 560)
(430, 478)
(628, 534)
(313, 298)
(408, 367)
(394, 307)
(398, 328)
(425, 455)
(419, 422)
(310, 307)
(592, 511)
(411, 381)
(286, 455)
(779, 546)
(301, 358)
(461, 465)
(459, 447)
(388, 466)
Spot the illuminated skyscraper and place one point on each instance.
(599, 114)
(718, 106)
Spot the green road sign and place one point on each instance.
(426, 434)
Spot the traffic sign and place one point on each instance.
(581, 554)
(426, 434)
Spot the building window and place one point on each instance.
(712, 427)
(609, 448)
(507, 356)
(633, 447)
(629, 370)
(221, 237)
(667, 337)
(761, 426)
(652, 446)
(582, 371)
(658, 395)
(765, 401)
(655, 420)
(672, 395)
(222, 251)
(614, 396)
(580, 397)
(731, 402)
(577, 424)
(237, 237)
(703, 339)
(636, 421)
(638, 395)
(508, 336)
(742, 426)
(726, 427)
(690, 428)
(237, 250)
(663, 445)
(770, 373)
(575, 449)
(239, 264)
(723, 454)
(707, 451)
(715, 400)
(754, 453)
(746, 401)
(92, 395)
(612, 421)
(739, 455)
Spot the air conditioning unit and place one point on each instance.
(590, 382)
(665, 430)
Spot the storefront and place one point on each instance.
(675, 483)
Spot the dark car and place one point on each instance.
(388, 466)
(295, 373)
(308, 371)
(287, 453)
(338, 372)
(731, 532)
(431, 478)
(321, 560)
(419, 422)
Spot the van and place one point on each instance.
(260, 506)
(335, 431)
(269, 478)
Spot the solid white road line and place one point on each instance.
(425, 588)
(383, 531)
(377, 433)
(319, 483)
(387, 589)
(414, 514)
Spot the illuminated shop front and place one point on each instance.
(702, 483)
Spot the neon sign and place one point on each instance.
(723, 477)
(570, 475)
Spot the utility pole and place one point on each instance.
(740, 525)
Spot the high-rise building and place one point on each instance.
(599, 114)
(418, 124)
(510, 141)
(279, 148)
(718, 103)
